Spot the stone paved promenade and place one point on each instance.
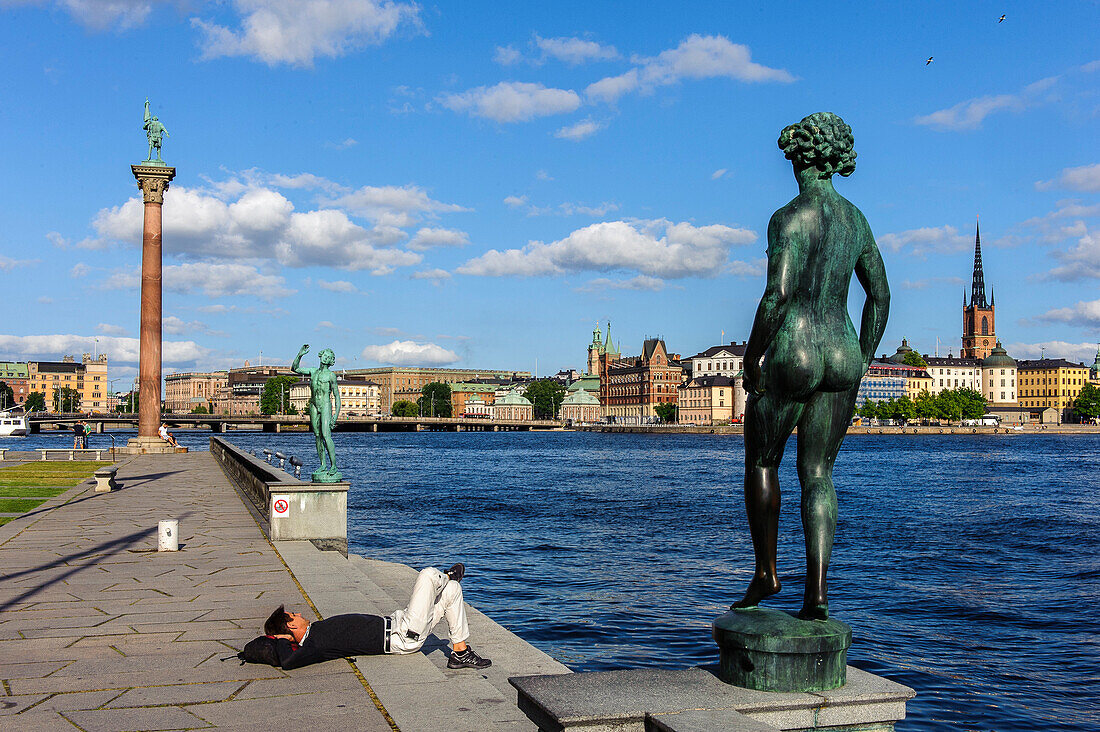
(99, 631)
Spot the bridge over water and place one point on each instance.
(278, 423)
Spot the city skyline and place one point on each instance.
(422, 185)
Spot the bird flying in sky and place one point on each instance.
(928, 61)
(1001, 19)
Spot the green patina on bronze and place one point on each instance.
(323, 389)
(770, 650)
(804, 360)
(155, 131)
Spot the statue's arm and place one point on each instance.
(871, 273)
(336, 396)
(295, 367)
(772, 310)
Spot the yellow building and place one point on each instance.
(915, 384)
(1050, 383)
(707, 400)
(87, 378)
(186, 391)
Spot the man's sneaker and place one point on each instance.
(457, 572)
(468, 659)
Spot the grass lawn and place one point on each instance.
(18, 491)
(41, 480)
(19, 505)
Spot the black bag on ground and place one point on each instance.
(260, 650)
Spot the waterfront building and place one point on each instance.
(580, 407)
(475, 409)
(406, 382)
(189, 390)
(954, 373)
(1094, 370)
(999, 377)
(358, 397)
(16, 375)
(513, 406)
(1051, 383)
(462, 394)
(597, 350)
(917, 380)
(884, 380)
(241, 394)
(724, 360)
(88, 378)
(706, 400)
(979, 327)
(631, 388)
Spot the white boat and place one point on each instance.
(13, 425)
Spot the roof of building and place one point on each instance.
(581, 397)
(734, 349)
(1040, 364)
(464, 387)
(998, 358)
(903, 350)
(588, 382)
(954, 361)
(58, 367)
(712, 380)
(14, 369)
(513, 398)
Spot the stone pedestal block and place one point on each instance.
(770, 650)
(148, 446)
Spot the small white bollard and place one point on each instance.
(168, 539)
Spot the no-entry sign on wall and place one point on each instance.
(280, 506)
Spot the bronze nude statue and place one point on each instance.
(804, 361)
(323, 388)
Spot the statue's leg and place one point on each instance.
(315, 425)
(769, 420)
(329, 446)
(820, 432)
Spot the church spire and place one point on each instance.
(977, 286)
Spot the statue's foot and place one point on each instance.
(760, 588)
(815, 611)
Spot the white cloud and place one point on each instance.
(697, 57)
(642, 283)
(108, 329)
(657, 248)
(927, 240)
(970, 114)
(507, 55)
(1082, 178)
(262, 224)
(409, 353)
(543, 175)
(437, 276)
(581, 130)
(515, 201)
(117, 349)
(43, 300)
(1079, 263)
(213, 280)
(512, 101)
(343, 144)
(1077, 352)
(755, 268)
(326, 324)
(101, 14)
(569, 209)
(1085, 314)
(7, 263)
(297, 32)
(718, 173)
(79, 270)
(574, 50)
(430, 238)
(177, 326)
(337, 286)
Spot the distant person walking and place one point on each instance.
(78, 436)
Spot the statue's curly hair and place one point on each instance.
(823, 141)
(329, 353)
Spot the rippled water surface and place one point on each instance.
(967, 566)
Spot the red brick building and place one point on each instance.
(631, 388)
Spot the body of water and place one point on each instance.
(967, 566)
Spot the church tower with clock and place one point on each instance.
(979, 331)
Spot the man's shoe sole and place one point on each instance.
(451, 664)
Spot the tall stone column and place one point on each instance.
(153, 182)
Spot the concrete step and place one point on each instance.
(418, 690)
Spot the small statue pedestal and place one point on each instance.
(770, 650)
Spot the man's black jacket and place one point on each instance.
(335, 637)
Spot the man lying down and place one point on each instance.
(436, 595)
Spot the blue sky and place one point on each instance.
(476, 184)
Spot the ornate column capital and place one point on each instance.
(153, 181)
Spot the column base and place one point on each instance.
(148, 446)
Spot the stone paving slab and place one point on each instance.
(99, 631)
